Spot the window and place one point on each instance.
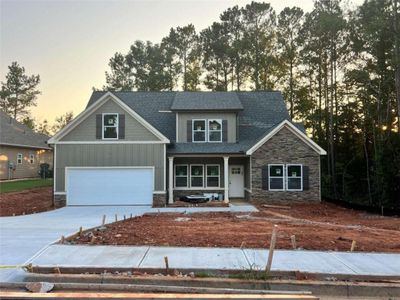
(275, 179)
(110, 126)
(212, 176)
(19, 158)
(294, 178)
(31, 158)
(215, 130)
(196, 175)
(181, 176)
(199, 130)
(235, 170)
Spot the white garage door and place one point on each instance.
(109, 186)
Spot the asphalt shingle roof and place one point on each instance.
(260, 113)
(15, 133)
(205, 101)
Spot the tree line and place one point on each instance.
(338, 69)
(19, 93)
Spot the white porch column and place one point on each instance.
(226, 179)
(171, 180)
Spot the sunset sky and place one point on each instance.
(69, 43)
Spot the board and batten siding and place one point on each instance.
(109, 155)
(86, 131)
(183, 117)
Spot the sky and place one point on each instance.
(69, 42)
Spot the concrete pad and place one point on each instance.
(90, 256)
(291, 260)
(370, 263)
(196, 258)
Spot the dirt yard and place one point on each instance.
(26, 202)
(315, 226)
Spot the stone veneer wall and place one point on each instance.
(285, 148)
(59, 201)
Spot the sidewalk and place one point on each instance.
(224, 259)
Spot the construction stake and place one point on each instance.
(57, 270)
(116, 218)
(62, 239)
(93, 239)
(131, 216)
(242, 245)
(271, 249)
(166, 264)
(104, 220)
(353, 245)
(80, 231)
(124, 218)
(293, 239)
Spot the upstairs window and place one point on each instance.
(110, 126)
(31, 158)
(276, 177)
(19, 158)
(215, 130)
(294, 178)
(199, 131)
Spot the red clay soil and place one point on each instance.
(26, 202)
(316, 227)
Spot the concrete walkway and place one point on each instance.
(355, 263)
(21, 237)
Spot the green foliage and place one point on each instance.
(18, 92)
(62, 121)
(20, 185)
(339, 71)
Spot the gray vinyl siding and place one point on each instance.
(86, 131)
(107, 155)
(183, 117)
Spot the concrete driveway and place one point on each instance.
(22, 237)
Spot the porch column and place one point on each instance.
(226, 179)
(171, 180)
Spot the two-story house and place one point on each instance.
(151, 148)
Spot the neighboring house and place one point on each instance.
(21, 150)
(151, 148)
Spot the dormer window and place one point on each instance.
(199, 131)
(215, 130)
(207, 131)
(110, 126)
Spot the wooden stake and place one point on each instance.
(271, 249)
(166, 264)
(62, 239)
(353, 246)
(293, 239)
(57, 270)
(104, 220)
(80, 231)
(131, 216)
(93, 239)
(124, 218)
(242, 245)
(116, 218)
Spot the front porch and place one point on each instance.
(226, 177)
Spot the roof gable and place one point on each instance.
(108, 96)
(13, 133)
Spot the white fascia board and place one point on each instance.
(83, 115)
(294, 130)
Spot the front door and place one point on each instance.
(236, 181)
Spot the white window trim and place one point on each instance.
(287, 177)
(205, 130)
(187, 175)
(31, 158)
(209, 130)
(219, 175)
(20, 158)
(202, 177)
(103, 126)
(283, 177)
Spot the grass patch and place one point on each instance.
(20, 185)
